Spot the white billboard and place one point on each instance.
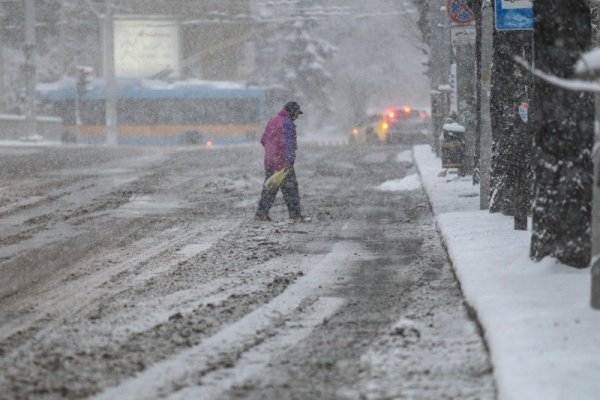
(144, 47)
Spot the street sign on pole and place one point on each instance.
(459, 12)
(514, 15)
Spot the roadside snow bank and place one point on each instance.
(537, 320)
(410, 182)
(405, 156)
(34, 141)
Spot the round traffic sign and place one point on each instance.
(459, 12)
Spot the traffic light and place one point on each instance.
(84, 79)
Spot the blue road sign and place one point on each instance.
(459, 12)
(514, 15)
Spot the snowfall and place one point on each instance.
(542, 334)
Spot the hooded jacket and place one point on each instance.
(279, 141)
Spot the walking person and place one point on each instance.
(280, 143)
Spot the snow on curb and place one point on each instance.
(540, 329)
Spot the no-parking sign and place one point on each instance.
(459, 12)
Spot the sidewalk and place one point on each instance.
(543, 337)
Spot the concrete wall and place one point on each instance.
(14, 127)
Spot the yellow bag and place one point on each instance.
(275, 180)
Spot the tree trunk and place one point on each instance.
(563, 136)
(511, 135)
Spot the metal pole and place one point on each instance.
(445, 58)
(435, 62)
(3, 105)
(2, 87)
(476, 8)
(435, 72)
(445, 50)
(465, 71)
(485, 149)
(109, 76)
(77, 117)
(436, 119)
(30, 114)
(61, 39)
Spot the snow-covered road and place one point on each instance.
(140, 273)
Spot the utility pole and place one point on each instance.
(109, 75)
(445, 50)
(30, 114)
(439, 69)
(435, 74)
(465, 71)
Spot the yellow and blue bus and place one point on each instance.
(158, 112)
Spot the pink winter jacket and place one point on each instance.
(279, 141)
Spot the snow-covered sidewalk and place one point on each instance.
(544, 337)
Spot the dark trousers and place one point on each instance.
(289, 188)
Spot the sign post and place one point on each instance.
(462, 34)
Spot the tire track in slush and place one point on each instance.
(224, 349)
(76, 296)
(252, 363)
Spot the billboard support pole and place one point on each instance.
(30, 111)
(109, 75)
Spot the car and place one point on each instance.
(406, 124)
(370, 130)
